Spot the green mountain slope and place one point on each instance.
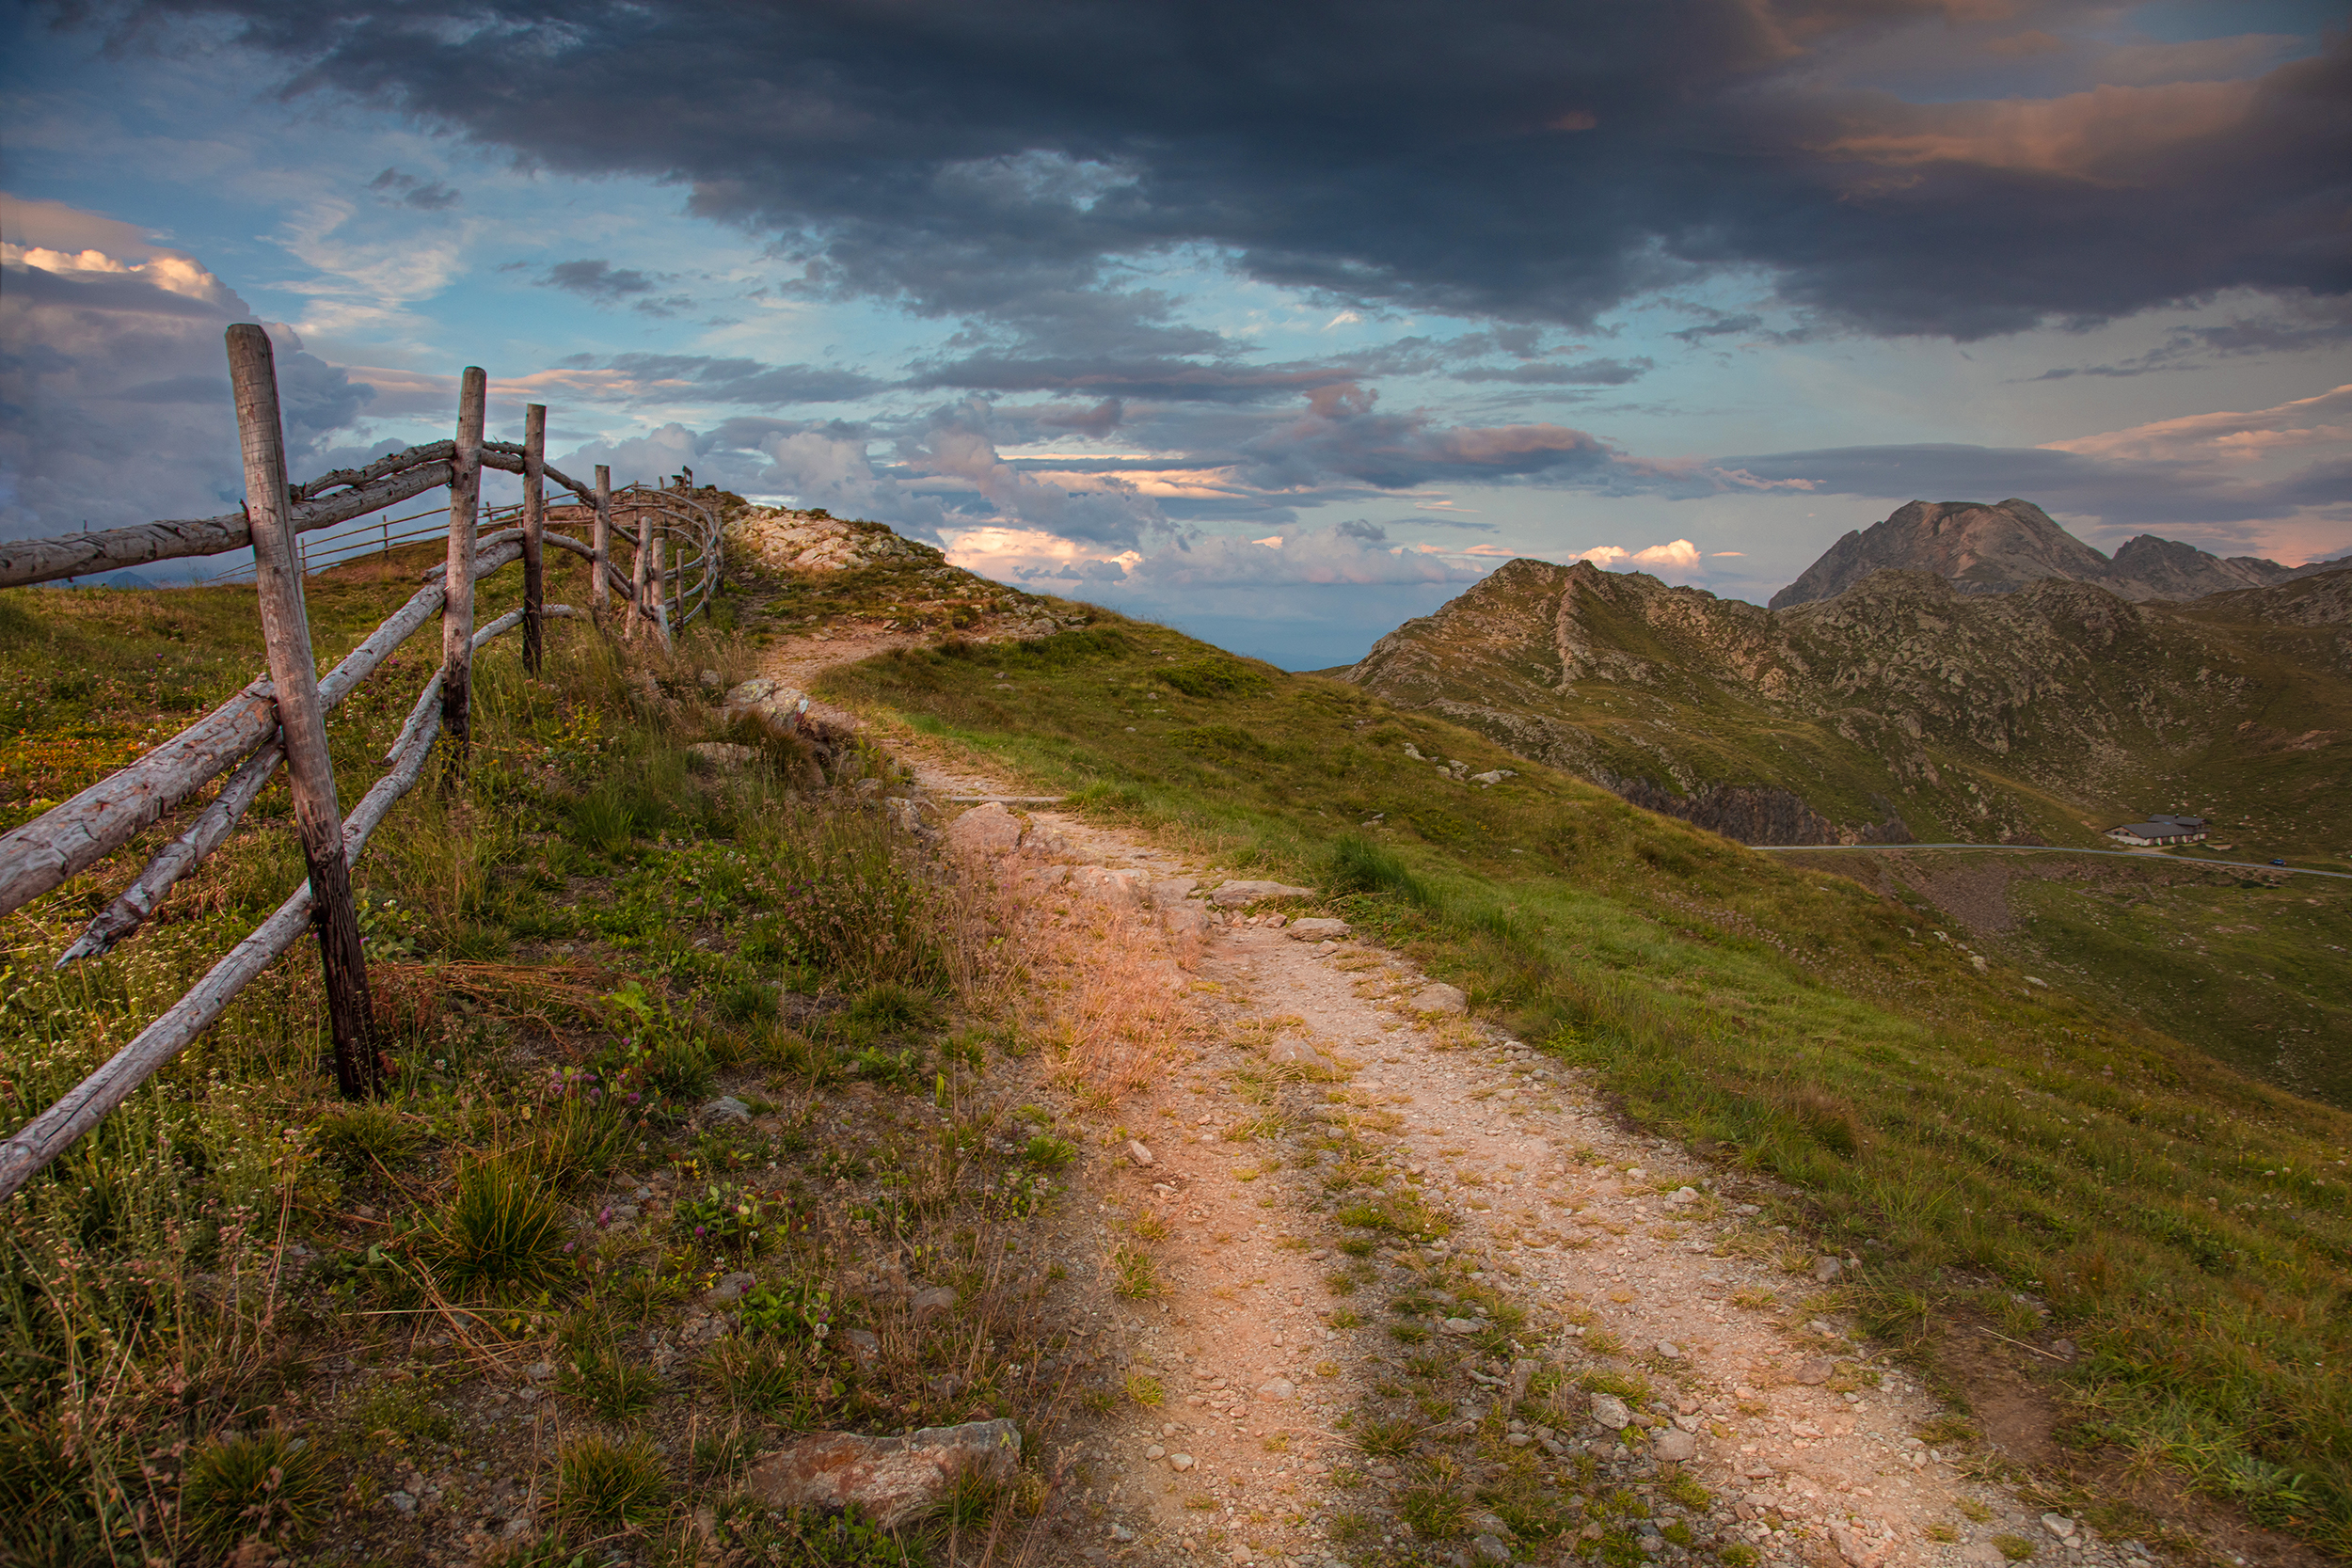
(1902, 708)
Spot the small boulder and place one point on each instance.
(1179, 1462)
(729, 1288)
(1319, 929)
(723, 755)
(1234, 895)
(1288, 1052)
(2059, 1525)
(1185, 920)
(1676, 1445)
(862, 1344)
(1610, 1411)
(933, 1302)
(890, 1480)
(985, 830)
(1814, 1371)
(1462, 1327)
(1275, 1390)
(727, 1108)
(1827, 1268)
(1138, 1152)
(1440, 998)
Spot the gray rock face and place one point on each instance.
(1234, 895)
(891, 1479)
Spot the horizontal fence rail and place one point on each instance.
(272, 723)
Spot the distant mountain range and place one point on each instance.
(2010, 693)
(2002, 547)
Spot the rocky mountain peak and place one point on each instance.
(1977, 548)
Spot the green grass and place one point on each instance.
(266, 1485)
(2188, 1226)
(610, 1481)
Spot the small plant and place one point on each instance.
(266, 1485)
(1346, 1316)
(1739, 1554)
(891, 1008)
(1046, 1152)
(1146, 1390)
(369, 1133)
(726, 1217)
(1940, 1531)
(2014, 1547)
(500, 1233)
(1975, 1511)
(1138, 1275)
(614, 1389)
(611, 1482)
(1684, 1488)
(1391, 1439)
(796, 1311)
(1435, 1512)
(1408, 1333)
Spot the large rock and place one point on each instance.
(889, 1479)
(777, 707)
(790, 541)
(985, 830)
(1234, 895)
(1438, 997)
(1317, 929)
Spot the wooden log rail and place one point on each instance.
(279, 720)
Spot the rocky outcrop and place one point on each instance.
(1752, 814)
(2010, 545)
(890, 1480)
(816, 540)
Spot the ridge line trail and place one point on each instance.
(1287, 1345)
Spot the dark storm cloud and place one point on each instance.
(596, 279)
(2143, 493)
(1588, 372)
(409, 190)
(665, 377)
(1524, 160)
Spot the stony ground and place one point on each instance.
(1606, 1342)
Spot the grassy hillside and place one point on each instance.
(468, 1320)
(2253, 967)
(1975, 1135)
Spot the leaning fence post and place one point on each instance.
(301, 718)
(600, 542)
(465, 500)
(534, 525)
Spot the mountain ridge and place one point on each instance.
(1905, 708)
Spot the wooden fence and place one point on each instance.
(280, 717)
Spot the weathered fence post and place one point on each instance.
(641, 616)
(658, 605)
(465, 500)
(534, 525)
(301, 719)
(600, 542)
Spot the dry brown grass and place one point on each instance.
(1102, 985)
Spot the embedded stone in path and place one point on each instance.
(1676, 1445)
(1234, 896)
(1610, 1411)
(1317, 929)
(890, 1480)
(1440, 998)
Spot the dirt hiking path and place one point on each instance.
(1605, 1353)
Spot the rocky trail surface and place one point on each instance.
(1409, 1292)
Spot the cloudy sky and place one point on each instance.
(1280, 322)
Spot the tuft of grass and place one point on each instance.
(363, 1135)
(1136, 1274)
(500, 1233)
(2014, 1547)
(614, 1388)
(265, 1486)
(610, 1481)
(1392, 1438)
(1145, 1390)
(1043, 1152)
(1435, 1512)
